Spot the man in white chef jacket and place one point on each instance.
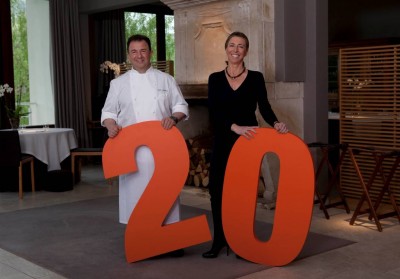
(142, 94)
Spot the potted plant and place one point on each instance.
(14, 113)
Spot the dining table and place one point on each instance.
(49, 145)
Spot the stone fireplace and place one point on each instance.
(201, 28)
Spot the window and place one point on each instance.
(31, 58)
(146, 24)
(142, 23)
(169, 37)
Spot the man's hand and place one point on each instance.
(170, 121)
(112, 127)
(167, 123)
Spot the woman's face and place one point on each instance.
(236, 50)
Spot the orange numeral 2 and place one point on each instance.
(145, 234)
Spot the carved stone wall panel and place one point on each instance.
(268, 68)
(181, 46)
(184, 4)
(268, 8)
(200, 36)
(209, 52)
(268, 19)
(243, 14)
(201, 32)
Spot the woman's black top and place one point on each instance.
(228, 106)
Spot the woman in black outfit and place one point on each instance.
(233, 96)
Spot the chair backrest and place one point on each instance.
(10, 148)
(119, 69)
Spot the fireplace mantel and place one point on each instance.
(182, 4)
(194, 91)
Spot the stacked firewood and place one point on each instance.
(199, 155)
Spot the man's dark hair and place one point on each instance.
(138, 38)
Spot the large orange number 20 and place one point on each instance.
(145, 234)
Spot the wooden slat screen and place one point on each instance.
(369, 110)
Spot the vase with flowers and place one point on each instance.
(16, 111)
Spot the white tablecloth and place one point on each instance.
(51, 146)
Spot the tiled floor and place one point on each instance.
(374, 255)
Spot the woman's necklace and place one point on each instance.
(234, 77)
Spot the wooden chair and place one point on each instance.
(379, 156)
(330, 149)
(11, 156)
(82, 152)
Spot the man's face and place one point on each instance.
(139, 55)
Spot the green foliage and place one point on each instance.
(169, 38)
(20, 48)
(14, 109)
(145, 24)
(18, 112)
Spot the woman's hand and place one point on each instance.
(247, 131)
(281, 127)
